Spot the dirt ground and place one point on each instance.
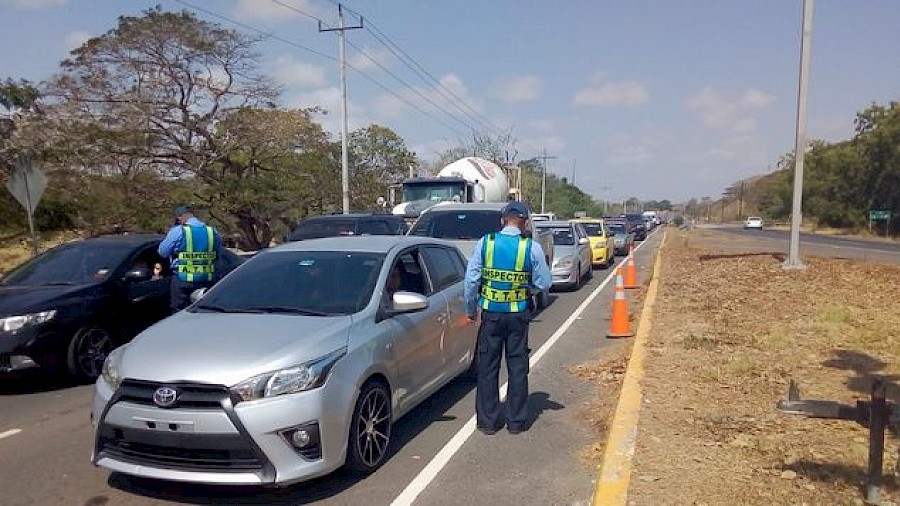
(729, 332)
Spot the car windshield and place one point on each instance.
(593, 229)
(315, 229)
(434, 192)
(562, 236)
(616, 228)
(460, 224)
(72, 264)
(297, 282)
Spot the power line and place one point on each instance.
(382, 67)
(289, 42)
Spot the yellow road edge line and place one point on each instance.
(615, 469)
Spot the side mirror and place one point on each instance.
(408, 302)
(197, 294)
(584, 240)
(137, 274)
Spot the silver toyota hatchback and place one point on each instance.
(294, 365)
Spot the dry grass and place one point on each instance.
(728, 334)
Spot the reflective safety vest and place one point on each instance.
(505, 273)
(198, 260)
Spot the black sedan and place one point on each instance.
(66, 309)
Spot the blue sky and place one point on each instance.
(654, 99)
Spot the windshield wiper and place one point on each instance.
(220, 309)
(58, 283)
(288, 310)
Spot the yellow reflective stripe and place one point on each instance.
(520, 255)
(200, 255)
(188, 239)
(505, 276)
(210, 246)
(494, 295)
(489, 252)
(194, 269)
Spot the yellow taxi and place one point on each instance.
(603, 243)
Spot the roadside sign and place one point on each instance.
(879, 214)
(27, 184)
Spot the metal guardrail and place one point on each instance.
(877, 413)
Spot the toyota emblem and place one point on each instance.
(165, 397)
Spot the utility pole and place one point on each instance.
(573, 171)
(741, 202)
(345, 169)
(543, 158)
(793, 261)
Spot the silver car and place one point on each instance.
(294, 365)
(571, 253)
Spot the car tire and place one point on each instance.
(370, 429)
(87, 351)
(589, 275)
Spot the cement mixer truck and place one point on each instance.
(469, 179)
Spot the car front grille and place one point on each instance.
(196, 452)
(190, 395)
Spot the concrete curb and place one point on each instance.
(615, 469)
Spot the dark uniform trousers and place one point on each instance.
(499, 332)
(181, 292)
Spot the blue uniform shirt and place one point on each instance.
(174, 241)
(540, 276)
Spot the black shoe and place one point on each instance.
(487, 431)
(515, 429)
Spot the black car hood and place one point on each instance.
(17, 300)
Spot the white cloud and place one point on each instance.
(365, 61)
(76, 38)
(543, 126)
(264, 10)
(613, 94)
(389, 107)
(531, 146)
(329, 99)
(626, 155)
(520, 89)
(297, 73)
(724, 111)
(36, 4)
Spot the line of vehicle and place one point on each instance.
(439, 461)
(11, 432)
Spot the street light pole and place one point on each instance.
(793, 261)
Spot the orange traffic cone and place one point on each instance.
(620, 326)
(631, 272)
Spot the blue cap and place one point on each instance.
(182, 209)
(517, 209)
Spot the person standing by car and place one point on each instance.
(193, 247)
(503, 272)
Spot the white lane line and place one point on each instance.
(11, 432)
(430, 472)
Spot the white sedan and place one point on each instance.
(753, 222)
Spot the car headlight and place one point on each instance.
(112, 368)
(298, 378)
(15, 323)
(564, 262)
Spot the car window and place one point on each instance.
(459, 263)
(441, 267)
(616, 228)
(374, 227)
(73, 263)
(593, 229)
(327, 282)
(147, 259)
(562, 236)
(318, 228)
(461, 224)
(412, 275)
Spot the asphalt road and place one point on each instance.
(46, 437)
(817, 245)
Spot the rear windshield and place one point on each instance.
(562, 236)
(616, 228)
(460, 224)
(315, 229)
(592, 229)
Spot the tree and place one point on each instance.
(378, 157)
